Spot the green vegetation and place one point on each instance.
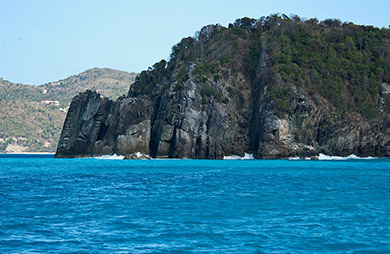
(279, 95)
(343, 62)
(30, 125)
(209, 91)
(179, 86)
(146, 81)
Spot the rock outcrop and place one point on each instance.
(215, 98)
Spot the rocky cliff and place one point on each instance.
(274, 87)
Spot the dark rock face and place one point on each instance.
(178, 128)
(207, 110)
(97, 126)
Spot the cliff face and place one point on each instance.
(235, 90)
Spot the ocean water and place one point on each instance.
(52, 205)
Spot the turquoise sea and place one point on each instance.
(52, 205)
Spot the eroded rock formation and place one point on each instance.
(219, 95)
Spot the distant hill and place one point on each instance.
(110, 83)
(31, 117)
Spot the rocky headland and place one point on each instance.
(276, 87)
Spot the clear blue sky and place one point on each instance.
(48, 40)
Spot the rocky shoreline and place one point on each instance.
(223, 94)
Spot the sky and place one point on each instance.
(44, 40)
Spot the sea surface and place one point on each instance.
(52, 205)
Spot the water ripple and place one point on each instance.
(185, 206)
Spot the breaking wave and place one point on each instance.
(324, 157)
(110, 157)
(247, 156)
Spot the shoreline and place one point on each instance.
(320, 157)
(31, 153)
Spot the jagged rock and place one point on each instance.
(99, 126)
(187, 108)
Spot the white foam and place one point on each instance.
(247, 156)
(324, 157)
(349, 157)
(352, 156)
(299, 158)
(232, 157)
(110, 157)
(138, 154)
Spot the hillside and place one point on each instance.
(108, 82)
(274, 87)
(28, 125)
